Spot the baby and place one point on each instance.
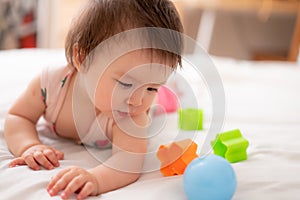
(102, 96)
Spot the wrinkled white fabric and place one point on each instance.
(262, 100)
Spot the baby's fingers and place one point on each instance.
(17, 161)
(28, 160)
(59, 155)
(74, 185)
(42, 159)
(51, 157)
(31, 162)
(59, 182)
(87, 190)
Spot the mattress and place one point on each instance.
(262, 99)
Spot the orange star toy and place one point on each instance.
(176, 156)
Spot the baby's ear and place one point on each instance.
(78, 58)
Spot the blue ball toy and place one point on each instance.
(209, 178)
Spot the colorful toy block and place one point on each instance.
(191, 119)
(167, 101)
(176, 156)
(231, 145)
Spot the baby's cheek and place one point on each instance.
(103, 100)
(150, 101)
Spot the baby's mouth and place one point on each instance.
(123, 114)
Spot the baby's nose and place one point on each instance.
(136, 98)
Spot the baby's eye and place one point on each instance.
(126, 85)
(152, 89)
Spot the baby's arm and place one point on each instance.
(122, 168)
(125, 165)
(21, 134)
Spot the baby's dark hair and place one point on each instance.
(102, 19)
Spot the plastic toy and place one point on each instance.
(167, 101)
(176, 156)
(191, 119)
(231, 145)
(209, 178)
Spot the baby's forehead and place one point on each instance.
(156, 73)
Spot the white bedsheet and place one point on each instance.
(262, 100)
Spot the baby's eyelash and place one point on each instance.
(128, 85)
(152, 89)
(124, 84)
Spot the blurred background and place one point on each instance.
(242, 29)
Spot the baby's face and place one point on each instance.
(129, 85)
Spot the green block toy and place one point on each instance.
(231, 145)
(190, 119)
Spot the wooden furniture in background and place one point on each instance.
(295, 43)
(261, 8)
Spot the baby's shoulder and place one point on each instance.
(55, 74)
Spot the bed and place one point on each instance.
(262, 100)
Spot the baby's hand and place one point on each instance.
(71, 180)
(39, 155)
